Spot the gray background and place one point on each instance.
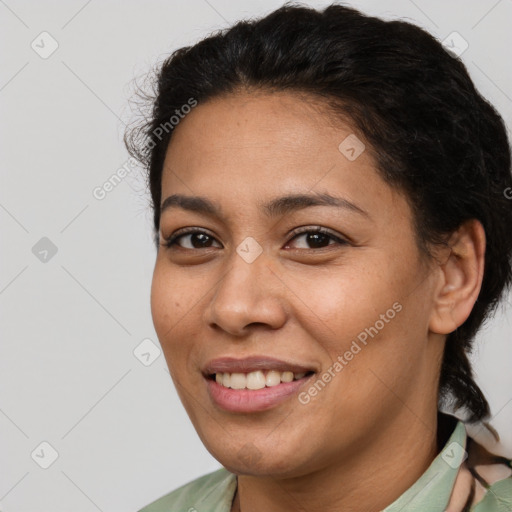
(70, 321)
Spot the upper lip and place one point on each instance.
(251, 364)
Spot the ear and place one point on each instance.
(460, 278)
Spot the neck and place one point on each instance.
(375, 478)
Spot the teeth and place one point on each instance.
(238, 381)
(256, 380)
(273, 378)
(286, 376)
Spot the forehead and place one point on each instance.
(275, 128)
(249, 146)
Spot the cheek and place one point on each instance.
(382, 350)
(161, 295)
(368, 317)
(176, 307)
(169, 307)
(171, 297)
(342, 303)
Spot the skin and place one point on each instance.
(306, 304)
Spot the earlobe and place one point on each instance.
(460, 280)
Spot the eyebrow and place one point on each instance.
(274, 208)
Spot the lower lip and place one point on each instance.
(247, 400)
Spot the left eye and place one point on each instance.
(318, 238)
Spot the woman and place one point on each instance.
(330, 212)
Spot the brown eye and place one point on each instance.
(318, 238)
(194, 239)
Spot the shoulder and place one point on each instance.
(215, 489)
(493, 488)
(492, 479)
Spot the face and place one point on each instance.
(248, 288)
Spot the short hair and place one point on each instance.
(431, 133)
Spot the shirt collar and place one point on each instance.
(433, 489)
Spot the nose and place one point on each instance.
(247, 296)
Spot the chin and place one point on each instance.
(249, 459)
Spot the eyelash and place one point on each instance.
(171, 240)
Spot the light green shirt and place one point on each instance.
(215, 491)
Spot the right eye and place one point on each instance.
(197, 239)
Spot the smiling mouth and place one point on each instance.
(257, 379)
